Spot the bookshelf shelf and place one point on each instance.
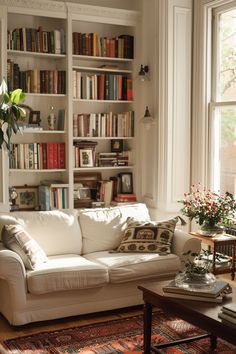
(36, 171)
(59, 95)
(42, 132)
(102, 138)
(95, 69)
(103, 168)
(100, 101)
(11, 52)
(88, 57)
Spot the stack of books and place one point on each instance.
(217, 294)
(228, 314)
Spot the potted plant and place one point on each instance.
(209, 209)
(10, 113)
(196, 274)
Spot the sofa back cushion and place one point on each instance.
(56, 232)
(18, 240)
(102, 227)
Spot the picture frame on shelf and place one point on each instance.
(84, 193)
(126, 185)
(27, 110)
(116, 145)
(34, 117)
(86, 158)
(27, 197)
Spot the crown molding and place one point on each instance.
(103, 14)
(44, 5)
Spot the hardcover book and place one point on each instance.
(220, 287)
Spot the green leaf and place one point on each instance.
(17, 96)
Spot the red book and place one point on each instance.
(49, 155)
(75, 43)
(129, 90)
(61, 155)
(119, 87)
(44, 152)
(55, 155)
(101, 86)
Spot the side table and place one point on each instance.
(214, 243)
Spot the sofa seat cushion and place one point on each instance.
(66, 272)
(125, 267)
(102, 227)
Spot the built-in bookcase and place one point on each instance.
(34, 55)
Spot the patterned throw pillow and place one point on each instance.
(152, 237)
(18, 240)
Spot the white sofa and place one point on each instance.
(81, 275)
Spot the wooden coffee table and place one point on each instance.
(201, 314)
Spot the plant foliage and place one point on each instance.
(10, 113)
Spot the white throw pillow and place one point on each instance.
(102, 227)
(18, 240)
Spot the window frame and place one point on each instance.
(216, 103)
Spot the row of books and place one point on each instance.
(37, 40)
(102, 86)
(53, 196)
(228, 314)
(36, 81)
(216, 294)
(37, 156)
(93, 45)
(109, 159)
(104, 124)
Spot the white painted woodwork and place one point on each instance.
(200, 169)
(71, 17)
(166, 147)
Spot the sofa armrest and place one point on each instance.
(12, 270)
(184, 242)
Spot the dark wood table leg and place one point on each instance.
(233, 262)
(214, 260)
(147, 329)
(213, 342)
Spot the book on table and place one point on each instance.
(221, 288)
(218, 299)
(230, 309)
(227, 317)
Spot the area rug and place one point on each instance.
(121, 336)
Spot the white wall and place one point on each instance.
(167, 27)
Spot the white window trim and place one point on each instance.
(202, 71)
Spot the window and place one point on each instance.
(223, 105)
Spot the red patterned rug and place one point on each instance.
(113, 337)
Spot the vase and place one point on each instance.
(196, 281)
(210, 229)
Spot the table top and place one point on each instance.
(215, 238)
(202, 314)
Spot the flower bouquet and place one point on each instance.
(209, 209)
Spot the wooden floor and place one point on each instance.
(7, 331)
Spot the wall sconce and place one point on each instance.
(143, 73)
(147, 119)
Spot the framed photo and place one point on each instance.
(27, 110)
(34, 117)
(86, 158)
(27, 198)
(126, 182)
(116, 145)
(84, 193)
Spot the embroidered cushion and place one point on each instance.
(148, 236)
(18, 240)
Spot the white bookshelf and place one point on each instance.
(70, 17)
